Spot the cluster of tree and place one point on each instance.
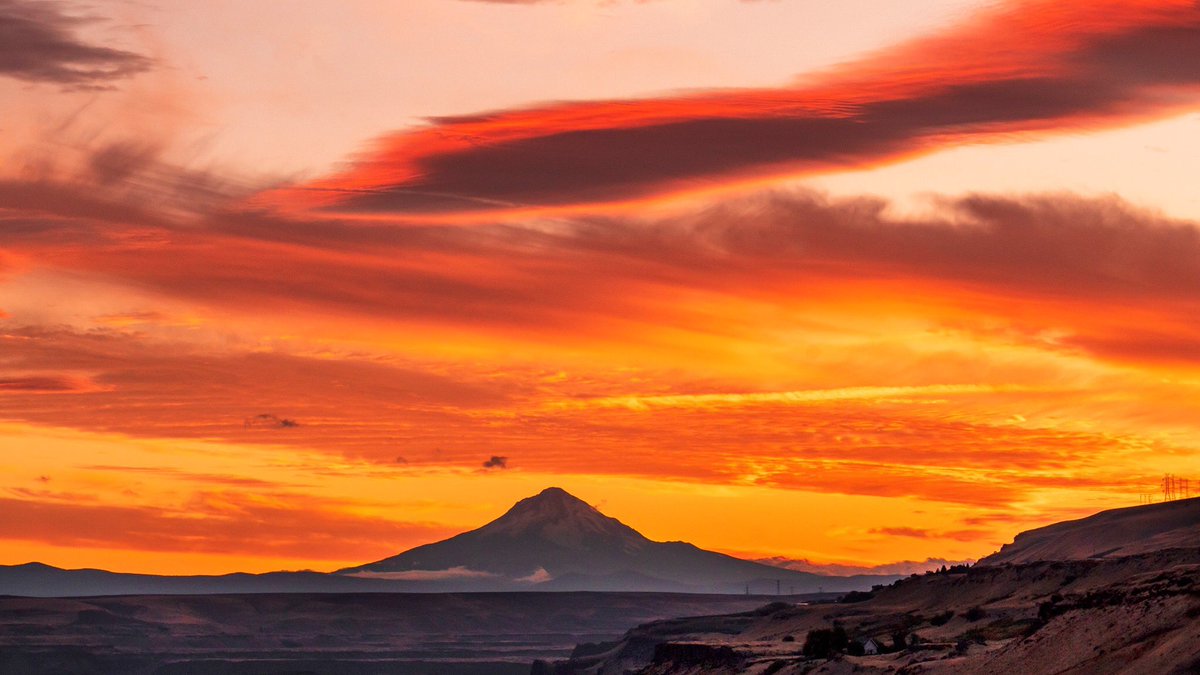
(823, 643)
(952, 569)
(857, 596)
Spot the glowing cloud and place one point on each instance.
(1031, 66)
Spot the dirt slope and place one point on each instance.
(1108, 534)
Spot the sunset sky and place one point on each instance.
(304, 284)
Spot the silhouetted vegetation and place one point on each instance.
(696, 655)
(823, 643)
(975, 614)
(776, 666)
(772, 607)
(941, 619)
(857, 596)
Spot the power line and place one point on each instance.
(1173, 487)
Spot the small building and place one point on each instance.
(871, 647)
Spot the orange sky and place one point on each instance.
(275, 293)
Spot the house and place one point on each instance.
(871, 647)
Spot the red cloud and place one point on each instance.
(47, 384)
(1032, 66)
(225, 523)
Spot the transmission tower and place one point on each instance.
(1173, 487)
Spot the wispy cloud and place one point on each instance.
(225, 523)
(792, 397)
(39, 42)
(47, 384)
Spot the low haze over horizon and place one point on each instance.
(304, 284)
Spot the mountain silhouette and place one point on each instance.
(552, 541)
(556, 541)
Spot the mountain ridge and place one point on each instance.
(554, 536)
(1112, 533)
(552, 541)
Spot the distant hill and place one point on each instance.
(902, 568)
(38, 580)
(1108, 534)
(557, 541)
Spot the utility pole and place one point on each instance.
(776, 587)
(1168, 487)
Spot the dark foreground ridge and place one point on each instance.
(329, 634)
(1108, 534)
(1113, 603)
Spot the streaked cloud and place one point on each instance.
(794, 397)
(48, 383)
(39, 42)
(219, 523)
(1024, 68)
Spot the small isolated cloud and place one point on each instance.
(426, 575)
(539, 576)
(267, 421)
(400, 459)
(496, 462)
(38, 43)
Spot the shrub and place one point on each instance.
(823, 643)
(941, 619)
(975, 614)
